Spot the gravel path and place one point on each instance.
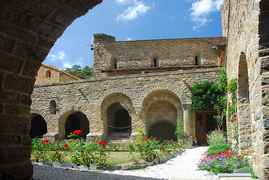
(182, 167)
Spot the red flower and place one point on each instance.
(66, 146)
(103, 143)
(45, 141)
(77, 132)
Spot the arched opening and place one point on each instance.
(119, 121)
(197, 60)
(155, 62)
(162, 110)
(161, 113)
(77, 121)
(117, 112)
(243, 106)
(114, 63)
(52, 107)
(163, 130)
(38, 126)
(48, 74)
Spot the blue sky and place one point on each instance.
(132, 20)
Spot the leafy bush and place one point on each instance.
(212, 150)
(216, 138)
(91, 154)
(149, 150)
(171, 147)
(232, 86)
(217, 143)
(211, 96)
(139, 136)
(180, 134)
(56, 156)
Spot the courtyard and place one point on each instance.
(134, 89)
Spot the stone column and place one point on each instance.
(189, 125)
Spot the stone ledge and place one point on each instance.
(235, 176)
(164, 74)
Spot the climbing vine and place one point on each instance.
(232, 89)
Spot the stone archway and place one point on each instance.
(162, 130)
(162, 107)
(119, 121)
(243, 105)
(117, 112)
(38, 126)
(28, 31)
(77, 121)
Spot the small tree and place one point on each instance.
(211, 96)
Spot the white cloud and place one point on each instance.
(123, 1)
(61, 55)
(201, 9)
(128, 39)
(133, 11)
(67, 65)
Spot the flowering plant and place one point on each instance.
(45, 141)
(103, 143)
(76, 134)
(223, 162)
(66, 146)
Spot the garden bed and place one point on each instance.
(76, 153)
(220, 158)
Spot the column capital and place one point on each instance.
(186, 106)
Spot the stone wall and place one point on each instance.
(46, 75)
(134, 93)
(51, 75)
(110, 54)
(28, 31)
(241, 22)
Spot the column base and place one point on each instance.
(52, 137)
(94, 136)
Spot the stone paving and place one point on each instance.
(182, 167)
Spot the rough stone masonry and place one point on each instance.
(30, 28)
(137, 84)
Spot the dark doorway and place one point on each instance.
(77, 121)
(163, 130)
(205, 124)
(38, 126)
(119, 121)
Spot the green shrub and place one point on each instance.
(217, 143)
(171, 147)
(93, 154)
(149, 150)
(76, 157)
(216, 149)
(232, 86)
(139, 136)
(180, 134)
(56, 156)
(216, 138)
